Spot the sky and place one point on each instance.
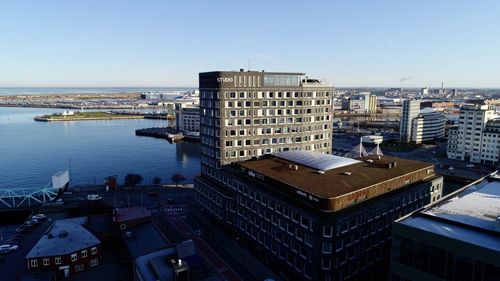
(84, 43)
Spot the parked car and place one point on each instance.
(40, 217)
(9, 247)
(94, 197)
(470, 166)
(451, 168)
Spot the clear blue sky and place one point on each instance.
(166, 43)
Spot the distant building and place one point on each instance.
(428, 126)
(318, 216)
(424, 91)
(66, 247)
(457, 238)
(364, 103)
(409, 110)
(465, 142)
(187, 117)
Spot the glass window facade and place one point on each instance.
(281, 80)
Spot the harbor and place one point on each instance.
(168, 133)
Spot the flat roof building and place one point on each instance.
(457, 238)
(318, 216)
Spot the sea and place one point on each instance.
(14, 91)
(31, 152)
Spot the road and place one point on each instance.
(224, 271)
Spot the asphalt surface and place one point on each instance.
(14, 265)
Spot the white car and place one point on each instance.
(39, 216)
(9, 247)
(469, 165)
(93, 197)
(451, 168)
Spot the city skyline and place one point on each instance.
(122, 43)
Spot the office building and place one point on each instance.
(364, 103)
(457, 238)
(424, 91)
(465, 142)
(428, 126)
(246, 114)
(187, 117)
(409, 110)
(318, 216)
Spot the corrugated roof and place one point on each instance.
(316, 160)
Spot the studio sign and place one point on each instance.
(226, 80)
(310, 197)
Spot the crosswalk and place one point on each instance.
(168, 210)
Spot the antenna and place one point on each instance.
(249, 64)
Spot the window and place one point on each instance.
(94, 262)
(327, 231)
(84, 253)
(74, 257)
(34, 263)
(79, 267)
(327, 247)
(57, 260)
(46, 261)
(93, 250)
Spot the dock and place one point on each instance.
(168, 133)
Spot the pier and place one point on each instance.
(168, 133)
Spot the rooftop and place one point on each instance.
(63, 238)
(471, 214)
(132, 213)
(319, 176)
(144, 239)
(319, 161)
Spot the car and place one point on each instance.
(470, 166)
(39, 217)
(94, 197)
(9, 247)
(34, 221)
(4, 251)
(451, 168)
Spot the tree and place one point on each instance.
(133, 179)
(178, 178)
(157, 180)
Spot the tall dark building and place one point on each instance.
(247, 114)
(318, 216)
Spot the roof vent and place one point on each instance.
(321, 172)
(295, 167)
(241, 70)
(63, 234)
(497, 224)
(369, 161)
(347, 173)
(394, 164)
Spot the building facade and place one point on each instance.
(317, 216)
(428, 126)
(187, 117)
(457, 238)
(409, 110)
(246, 114)
(465, 142)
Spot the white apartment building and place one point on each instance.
(429, 125)
(490, 147)
(465, 142)
(187, 117)
(410, 110)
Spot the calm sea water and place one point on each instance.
(7, 91)
(31, 152)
